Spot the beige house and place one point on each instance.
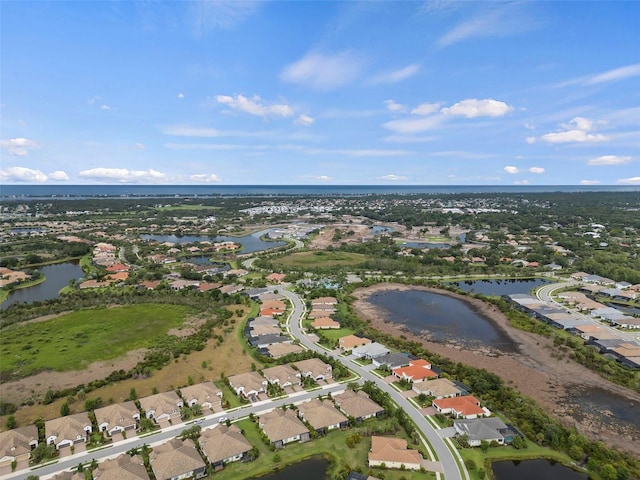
(68, 475)
(349, 342)
(393, 453)
(357, 405)
(314, 368)
(324, 301)
(206, 394)
(438, 388)
(322, 415)
(282, 427)
(123, 467)
(222, 444)
(278, 350)
(16, 445)
(282, 375)
(325, 323)
(248, 385)
(162, 406)
(118, 417)
(67, 431)
(177, 459)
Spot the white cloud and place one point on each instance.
(22, 174)
(413, 125)
(472, 107)
(305, 120)
(536, 170)
(122, 175)
(323, 71)
(59, 176)
(616, 74)
(105, 107)
(140, 146)
(18, 146)
(575, 131)
(323, 178)
(255, 106)
(205, 178)
(531, 140)
(181, 96)
(425, 109)
(511, 169)
(521, 182)
(629, 181)
(589, 182)
(393, 106)
(394, 178)
(93, 100)
(395, 76)
(510, 19)
(224, 14)
(609, 160)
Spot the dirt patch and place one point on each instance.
(188, 328)
(535, 370)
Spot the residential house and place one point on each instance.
(358, 405)
(466, 406)
(393, 453)
(248, 385)
(349, 342)
(123, 467)
(314, 368)
(206, 394)
(392, 360)
(437, 388)
(324, 323)
(282, 375)
(69, 475)
(261, 330)
(263, 341)
(278, 350)
(282, 427)
(322, 415)
(69, 430)
(324, 301)
(276, 277)
(478, 430)
(118, 417)
(221, 445)
(370, 350)
(177, 459)
(417, 371)
(316, 313)
(274, 304)
(181, 284)
(231, 289)
(16, 446)
(162, 406)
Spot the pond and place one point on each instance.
(442, 317)
(609, 408)
(314, 469)
(534, 470)
(378, 229)
(424, 245)
(501, 287)
(250, 243)
(57, 277)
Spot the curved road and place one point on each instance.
(450, 467)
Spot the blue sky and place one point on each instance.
(239, 92)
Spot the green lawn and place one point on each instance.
(74, 340)
(321, 259)
(335, 334)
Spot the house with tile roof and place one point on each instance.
(205, 394)
(417, 371)
(163, 406)
(393, 453)
(322, 415)
(221, 445)
(466, 406)
(323, 323)
(282, 427)
(16, 446)
(278, 350)
(177, 459)
(478, 430)
(248, 385)
(437, 388)
(282, 375)
(358, 405)
(69, 475)
(314, 368)
(118, 417)
(123, 467)
(370, 350)
(349, 342)
(69, 430)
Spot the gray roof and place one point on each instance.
(393, 360)
(371, 350)
(481, 428)
(222, 442)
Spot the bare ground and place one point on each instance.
(534, 370)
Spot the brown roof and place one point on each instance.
(18, 441)
(175, 458)
(275, 304)
(257, 330)
(222, 442)
(392, 450)
(313, 366)
(321, 414)
(118, 414)
(278, 350)
(357, 404)
(122, 467)
(281, 424)
(281, 373)
(205, 392)
(67, 428)
(318, 313)
(324, 301)
(349, 342)
(69, 476)
(250, 381)
(325, 322)
(161, 403)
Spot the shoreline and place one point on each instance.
(533, 370)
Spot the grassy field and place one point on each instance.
(321, 259)
(74, 340)
(335, 334)
(333, 446)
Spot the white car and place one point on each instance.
(223, 420)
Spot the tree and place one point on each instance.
(133, 395)
(64, 409)
(11, 422)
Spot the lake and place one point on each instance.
(534, 470)
(444, 318)
(57, 277)
(314, 469)
(250, 243)
(500, 287)
(424, 245)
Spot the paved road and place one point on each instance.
(445, 456)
